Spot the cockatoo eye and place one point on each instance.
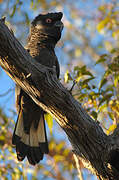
(48, 20)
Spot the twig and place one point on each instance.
(6, 93)
(74, 83)
(80, 176)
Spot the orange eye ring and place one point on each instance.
(48, 20)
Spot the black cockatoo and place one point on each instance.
(29, 136)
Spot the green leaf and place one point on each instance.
(83, 68)
(88, 73)
(101, 60)
(31, 4)
(78, 52)
(82, 96)
(67, 76)
(111, 115)
(111, 129)
(103, 24)
(105, 98)
(114, 67)
(107, 73)
(80, 70)
(13, 11)
(109, 88)
(116, 80)
(2, 137)
(60, 146)
(58, 158)
(76, 68)
(87, 80)
(27, 18)
(66, 152)
(78, 79)
(102, 83)
(114, 50)
(49, 120)
(103, 108)
(102, 8)
(94, 115)
(85, 86)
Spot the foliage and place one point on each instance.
(89, 57)
(101, 102)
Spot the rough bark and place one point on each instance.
(98, 152)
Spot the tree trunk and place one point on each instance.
(97, 151)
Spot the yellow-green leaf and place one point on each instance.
(108, 45)
(78, 79)
(78, 52)
(115, 34)
(66, 76)
(106, 98)
(49, 120)
(102, 83)
(111, 128)
(102, 24)
(116, 80)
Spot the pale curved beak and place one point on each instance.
(59, 24)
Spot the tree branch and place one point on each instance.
(98, 152)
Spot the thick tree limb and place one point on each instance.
(98, 152)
